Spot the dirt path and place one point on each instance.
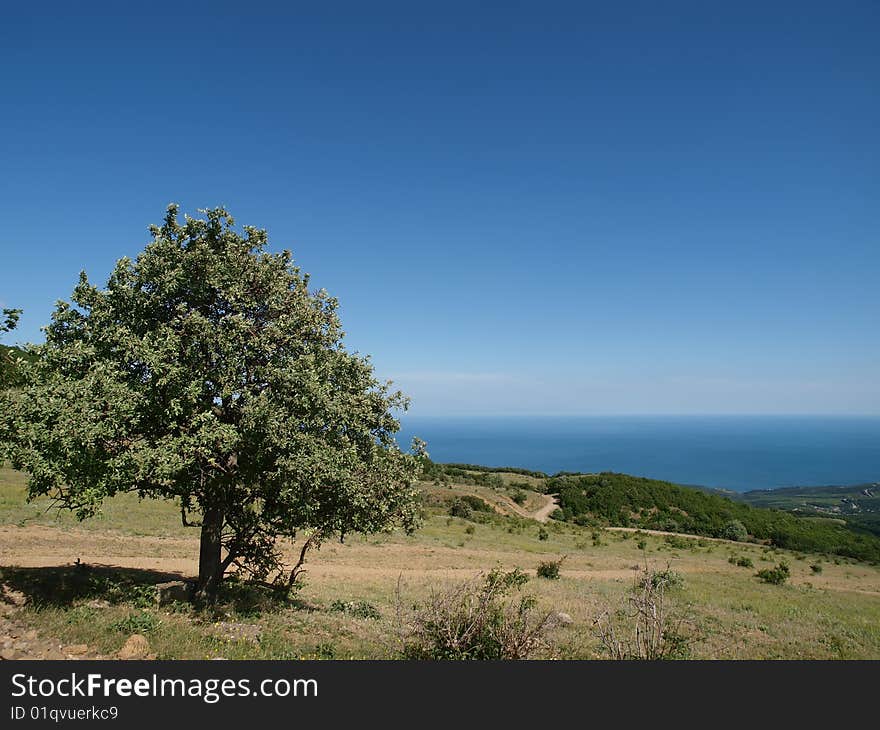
(684, 535)
(543, 514)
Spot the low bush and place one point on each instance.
(359, 609)
(549, 569)
(741, 561)
(776, 575)
(735, 530)
(646, 626)
(484, 618)
(137, 622)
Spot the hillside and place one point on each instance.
(857, 506)
(86, 587)
(620, 500)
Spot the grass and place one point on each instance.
(731, 613)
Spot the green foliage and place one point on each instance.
(207, 372)
(735, 530)
(360, 609)
(816, 568)
(137, 622)
(550, 569)
(543, 534)
(741, 561)
(623, 500)
(456, 469)
(465, 505)
(483, 619)
(9, 320)
(10, 356)
(776, 575)
(519, 497)
(666, 579)
(646, 627)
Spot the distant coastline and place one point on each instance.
(730, 453)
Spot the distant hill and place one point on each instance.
(857, 505)
(834, 520)
(620, 499)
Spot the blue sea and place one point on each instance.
(730, 452)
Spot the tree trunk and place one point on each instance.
(210, 567)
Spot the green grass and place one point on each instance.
(731, 613)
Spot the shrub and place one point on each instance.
(550, 569)
(138, 622)
(666, 579)
(543, 534)
(360, 609)
(484, 618)
(816, 568)
(645, 627)
(741, 561)
(776, 575)
(519, 497)
(641, 545)
(735, 530)
(470, 529)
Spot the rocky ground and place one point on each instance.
(18, 641)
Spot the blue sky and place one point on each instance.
(523, 207)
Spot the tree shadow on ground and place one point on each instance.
(63, 586)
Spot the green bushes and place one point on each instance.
(623, 500)
(359, 609)
(543, 534)
(776, 575)
(736, 531)
(136, 622)
(741, 561)
(550, 569)
(465, 505)
(484, 618)
(646, 627)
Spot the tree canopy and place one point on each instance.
(207, 372)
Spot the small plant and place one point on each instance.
(550, 569)
(483, 618)
(138, 622)
(360, 609)
(543, 534)
(667, 579)
(519, 497)
(642, 545)
(460, 508)
(776, 575)
(741, 561)
(645, 627)
(816, 568)
(470, 529)
(325, 650)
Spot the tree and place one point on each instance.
(207, 372)
(10, 320)
(9, 355)
(735, 530)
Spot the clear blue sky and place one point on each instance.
(541, 207)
